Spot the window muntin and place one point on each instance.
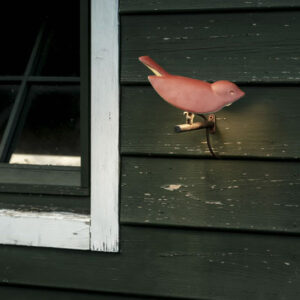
(8, 93)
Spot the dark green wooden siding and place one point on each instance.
(191, 264)
(169, 6)
(202, 193)
(263, 124)
(193, 227)
(242, 47)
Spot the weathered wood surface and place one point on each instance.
(104, 126)
(45, 229)
(167, 262)
(265, 123)
(239, 195)
(41, 180)
(29, 174)
(45, 203)
(158, 6)
(30, 293)
(243, 47)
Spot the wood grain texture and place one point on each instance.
(45, 229)
(167, 262)
(265, 124)
(41, 180)
(243, 47)
(158, 6)
(32, 174)
(104, 125)
(239, 195)
(43, 189)
(46, 203)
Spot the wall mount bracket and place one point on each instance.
(209, 123)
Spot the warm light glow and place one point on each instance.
(54, 160)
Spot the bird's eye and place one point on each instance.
(231, 92)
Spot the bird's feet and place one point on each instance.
(189, 117)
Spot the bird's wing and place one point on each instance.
(185, 93)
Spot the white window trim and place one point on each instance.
(100, 230)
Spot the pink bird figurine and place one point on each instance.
(191, 95)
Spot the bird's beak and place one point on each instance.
(239, 94)
(242, 94)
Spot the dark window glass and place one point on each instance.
(60, 52)
(40, 54)
(18, 30)
(51, 130)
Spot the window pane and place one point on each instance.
(60, 54)
(19, 24)
(51, 132)
(48, 32)
(20, 21)
(7, 96)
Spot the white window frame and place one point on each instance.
(98, 231)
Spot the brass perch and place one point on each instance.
(208, 123)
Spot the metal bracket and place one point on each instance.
(210, 123)
(213, 123)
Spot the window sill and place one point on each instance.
(59, 230)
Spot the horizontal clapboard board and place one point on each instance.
(156, 6)
(185, 264)
(262, 124)
(239, 195)
(241, 47)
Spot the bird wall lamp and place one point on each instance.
(193, 96)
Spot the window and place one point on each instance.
(44, 93)
(58, 56)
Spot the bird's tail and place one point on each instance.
(153, 66)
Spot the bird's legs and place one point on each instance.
(189, 117)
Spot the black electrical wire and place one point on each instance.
(208, 139)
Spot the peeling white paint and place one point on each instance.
(104, 101)
(45, 229)
(171, 187)
(100, 231)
